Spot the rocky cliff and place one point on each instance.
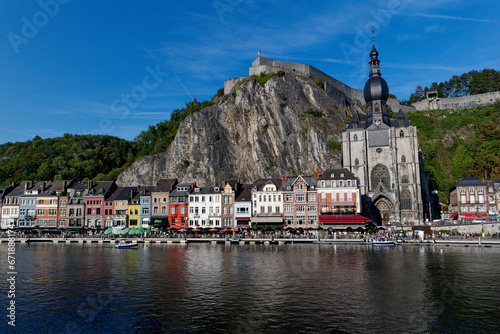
(286, 126)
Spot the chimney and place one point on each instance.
(43, 187)
(89, 184)
(64, 186)
(131, 193)
(26, 185)
(316, 174)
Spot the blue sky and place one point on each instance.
(116, 67)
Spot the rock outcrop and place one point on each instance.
(289, 125)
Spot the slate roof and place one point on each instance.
(337, 172)
(470, 181)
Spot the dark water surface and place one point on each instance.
(253, 289)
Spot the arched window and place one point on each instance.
(380, 174)
(401, 133)
(341, 183)
(404, 179)
(323, 185)
(377, 107)
(355, 137)
(356, 162)
(403, 159)
(405, 200)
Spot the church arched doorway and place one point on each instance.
(382, 208)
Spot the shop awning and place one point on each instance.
(453, 216)
(343, 219)
(267, 220)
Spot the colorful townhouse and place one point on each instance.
(338, 192)
(4, 191)
(160, 202)
(243, 207)
(10, 206)
(121, 198)
(27, 205)
(145, 201)
(229, 190)
(205, 207)
(95, 196)
(179, 204)
(267, 202)
(75, 215)
(299, 202)
(467, 199)
(134, 210)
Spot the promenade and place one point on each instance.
(476, 242)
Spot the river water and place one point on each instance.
(201, 288)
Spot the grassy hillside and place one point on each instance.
(457, 143)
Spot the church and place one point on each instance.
(385, 156)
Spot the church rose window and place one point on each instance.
(380, 174)
(405, 200)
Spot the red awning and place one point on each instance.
(343, 219)
(453, 215)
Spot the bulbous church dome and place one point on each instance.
(375, 88)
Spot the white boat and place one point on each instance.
(125, 243)
(383, 243)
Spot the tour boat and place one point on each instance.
(127, 244)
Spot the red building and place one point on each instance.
(178, 205)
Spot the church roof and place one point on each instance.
(395, 123)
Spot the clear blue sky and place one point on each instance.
(68, 68)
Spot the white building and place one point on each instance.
(338, 192)
(205, 207)
(267, 202)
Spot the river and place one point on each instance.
(202, 288)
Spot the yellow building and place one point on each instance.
(134, 212)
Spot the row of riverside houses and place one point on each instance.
(299, 201)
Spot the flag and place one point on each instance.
(258, 53)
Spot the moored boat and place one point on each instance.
(383, 243)
(125, 243)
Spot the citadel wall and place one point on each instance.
(455, 103)
(342, 93)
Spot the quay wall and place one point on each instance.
(488, 228)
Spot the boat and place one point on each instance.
(125, 244)
(383, 242)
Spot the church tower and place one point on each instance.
(384, 155)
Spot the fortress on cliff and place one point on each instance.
(340, 92)
(433, 102)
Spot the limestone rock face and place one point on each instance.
(288, 126)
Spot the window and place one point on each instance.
(356, 162)
(288, 208)
(300, 208)
(163, 209)
(63, 203)
(145, 211)
(300, 197)
(300, 186)
(173, 210)
(404, 179)
(288, 198)
(277, 209)
(356, 136)
(155, 209)
(401, 133)
(312, 197)
(405, 200)
(261, 209)
(62, 212)
(311, 208)
(403, 159)
(182, 210)
(98, 211)
(380, 174)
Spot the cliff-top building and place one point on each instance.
(384, 155)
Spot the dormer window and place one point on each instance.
(332, 175)
(401, 121)
(355, 126)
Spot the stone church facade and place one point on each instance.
(384, 155)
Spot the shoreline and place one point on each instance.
(479, 242)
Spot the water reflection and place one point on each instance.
(255, 288)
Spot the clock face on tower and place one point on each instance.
(377, 122)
